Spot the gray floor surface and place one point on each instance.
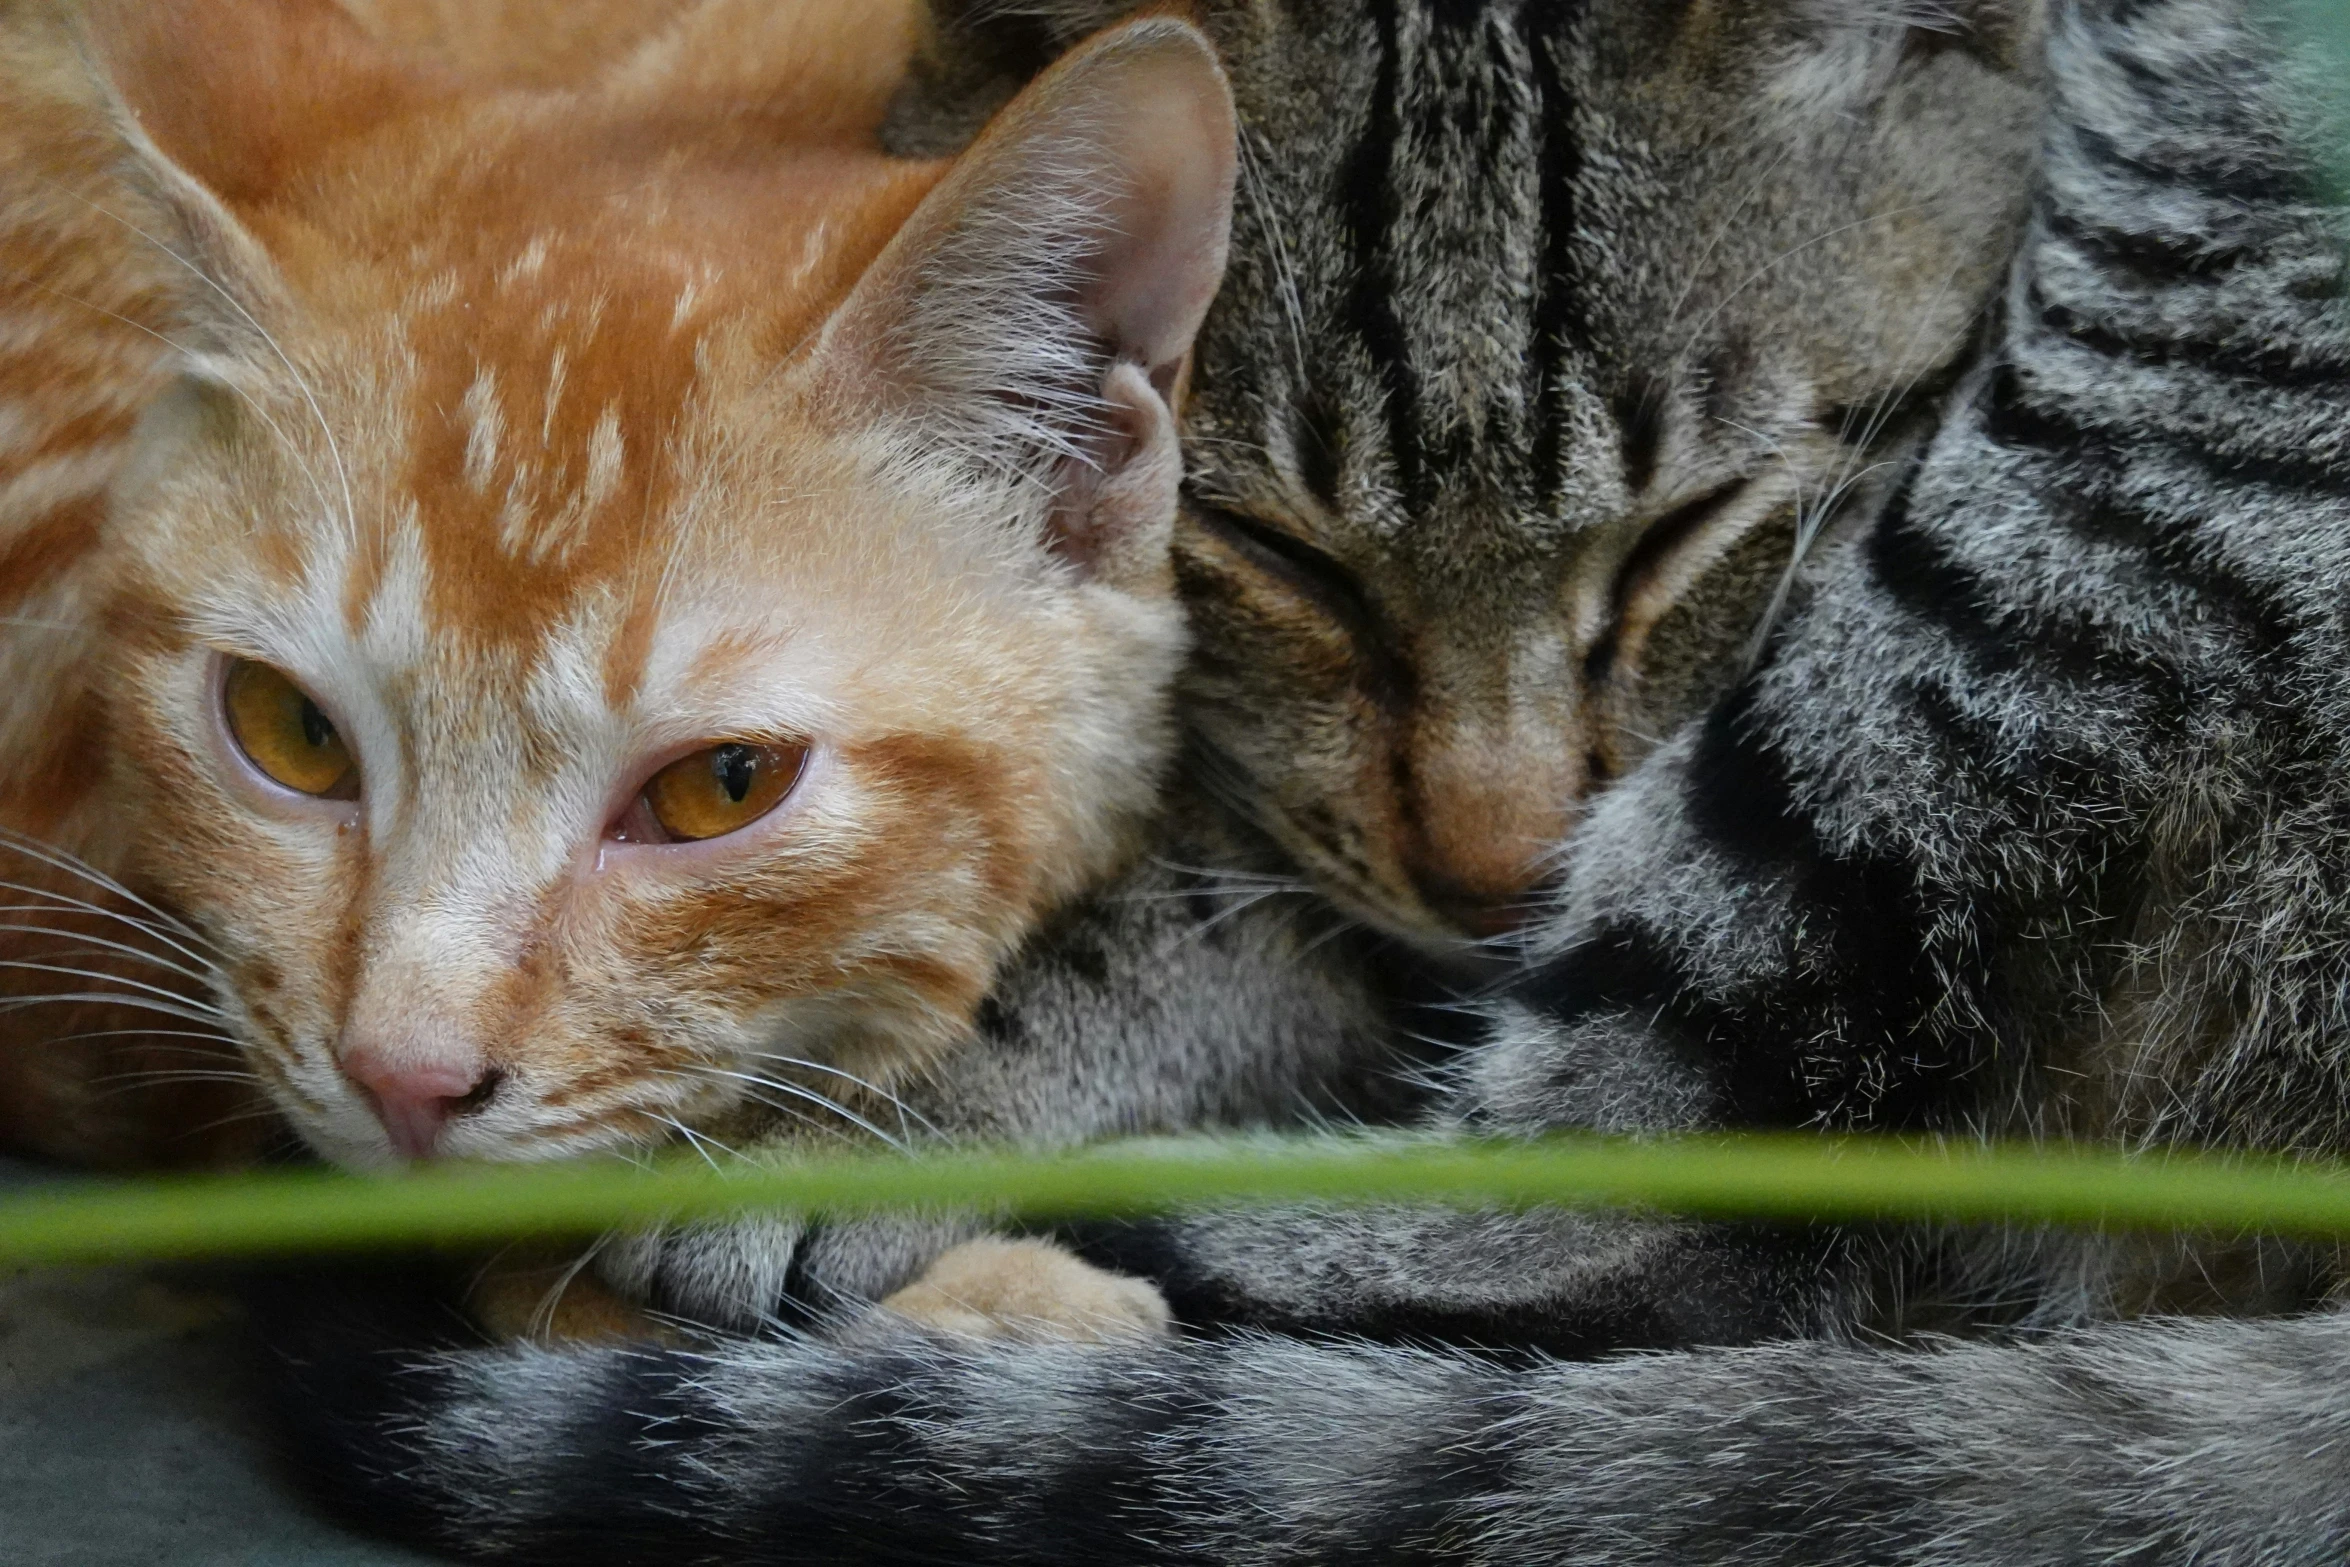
(128, 1436)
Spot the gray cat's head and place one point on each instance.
(1547, 327)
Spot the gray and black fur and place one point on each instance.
(2035, 819)
(1546, 330)
(1535, 309)
(2218, 1443)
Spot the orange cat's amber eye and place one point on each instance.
(723, 788)
(283, 732)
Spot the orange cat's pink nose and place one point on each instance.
(415, 1099)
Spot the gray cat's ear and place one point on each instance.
(1035, 315)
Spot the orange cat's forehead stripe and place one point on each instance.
(548, 386)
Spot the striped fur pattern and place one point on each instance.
(1550, 328)
(2027, 827)
(2216, 1442)
(2030, 822)
(543, 436)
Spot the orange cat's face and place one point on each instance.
(619, 608)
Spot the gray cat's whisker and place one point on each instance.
(1813, 517)
(1237, 904)
(1907, 380)
(1721, 231)
(1212, 875)
(1787, 255)
(1251, 188)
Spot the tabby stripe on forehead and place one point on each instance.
(1438, 64)
(1558, 324)
(1367, 198)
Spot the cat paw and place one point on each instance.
(1031, 1291)
(755, 1275)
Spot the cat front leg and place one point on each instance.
(1568, 1284)
(778, 1271)
(762, 1274)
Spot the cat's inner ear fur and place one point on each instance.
(1035, 314)
(217, 107)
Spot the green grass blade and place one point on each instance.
(1781, 1178)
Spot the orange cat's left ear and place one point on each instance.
(1034, 315)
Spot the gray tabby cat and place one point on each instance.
(2032, 819)
(1547, 326)
(1547, 331)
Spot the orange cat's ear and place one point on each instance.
(221, 105)
(242, 94)
(1035, 314)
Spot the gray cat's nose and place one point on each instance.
(416, 1098)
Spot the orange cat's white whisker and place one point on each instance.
(235, 1117)
(903, 1109)
(73, 865)
(108, 997)
(101, 976)
(542, 1317)
(696, 1140)
(130, 1082)
(147, 1035)
(93, 946)
(780, 1106)
(57, 902)
(810, 1095)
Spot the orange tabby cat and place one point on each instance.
(628, 580)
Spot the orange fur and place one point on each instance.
(84, 305)
(544, 421)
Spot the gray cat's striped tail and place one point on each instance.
(2217, 1442)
